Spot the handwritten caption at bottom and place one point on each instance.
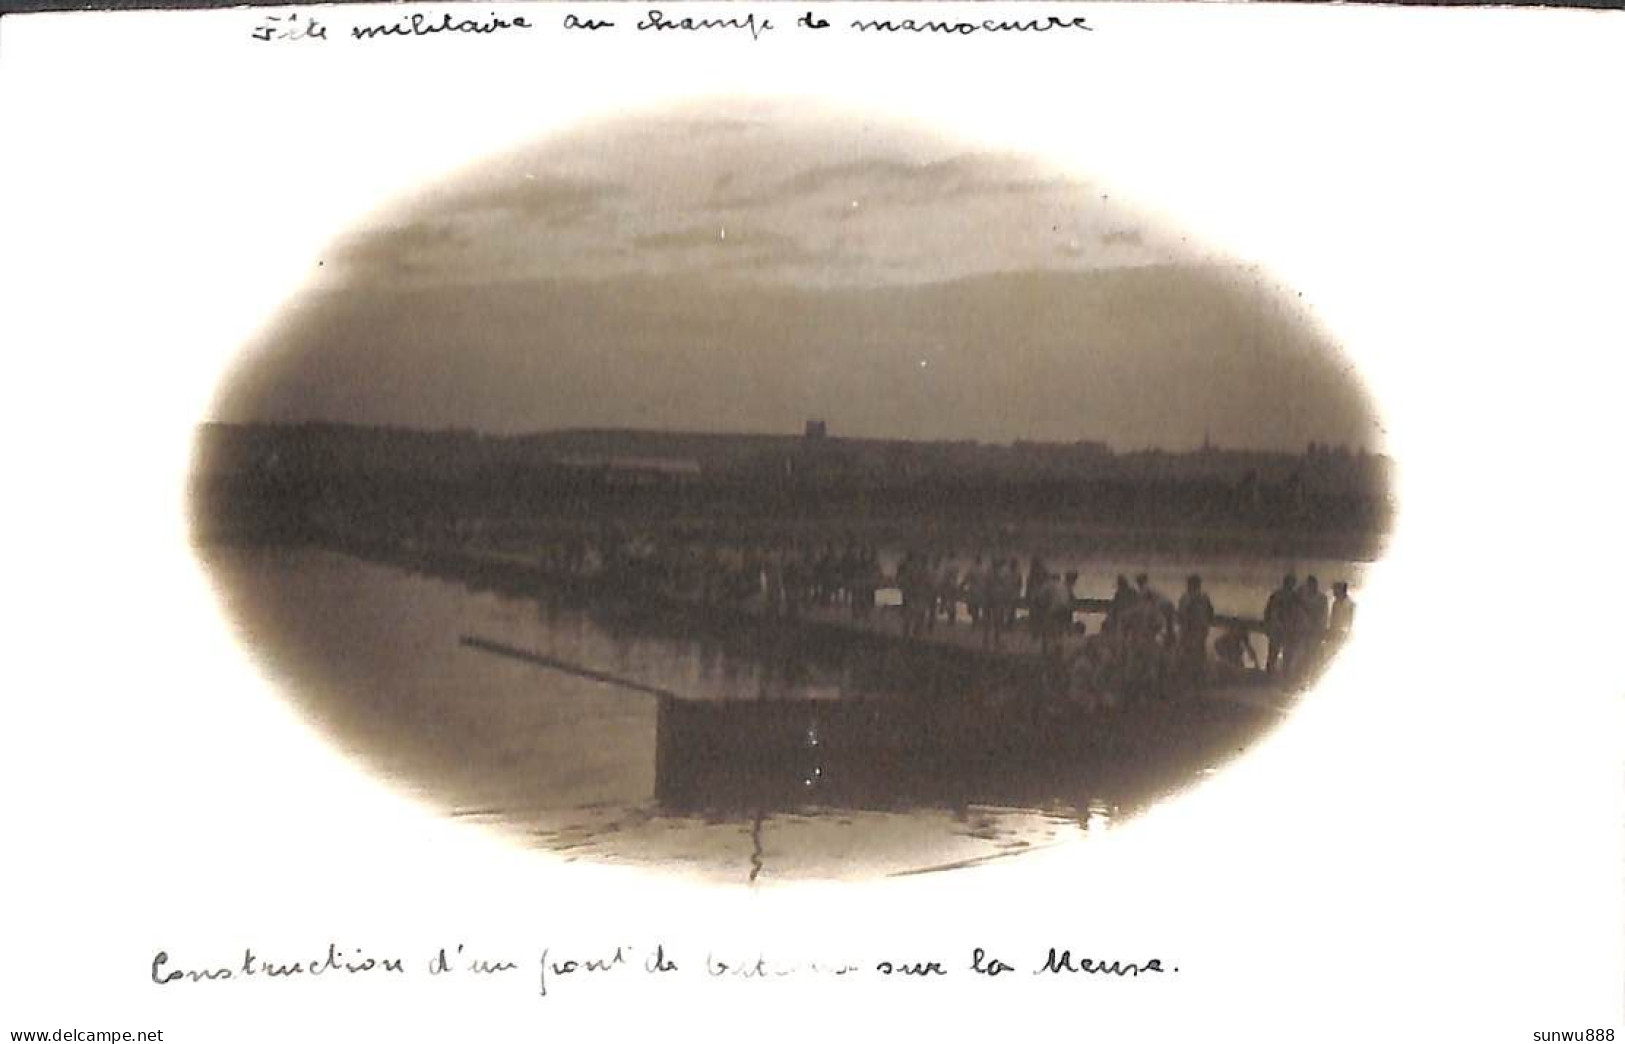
(551, 970)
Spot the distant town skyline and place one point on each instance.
(1094, 445)
(748, 270)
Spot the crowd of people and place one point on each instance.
(1147, 643)
(1300, 621)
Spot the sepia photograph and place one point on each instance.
(549, 521)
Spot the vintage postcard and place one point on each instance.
(949, 519)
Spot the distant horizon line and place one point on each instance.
(1353, 450)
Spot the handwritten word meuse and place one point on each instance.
(338, 963)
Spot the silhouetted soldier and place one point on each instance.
(865, 583)
(826, 575)
(1342, 617)
(1280, 619)
(1052, 610)
(1004, 591)
(777, 592)
(1315, 606)
(908, 589)
(1304, 648)
(948, 590)
(974, 589)
(1195, 620)
(1036, 575)
(1143, 627)
(1123, 600)
(1160, 603)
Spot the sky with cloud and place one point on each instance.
(748, 269)
(771, 198)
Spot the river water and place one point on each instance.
(566, 764)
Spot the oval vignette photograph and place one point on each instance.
(756, 493)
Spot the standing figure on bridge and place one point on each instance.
(1161, 604)
(974, 591)
(1195, 621)
(908, 590)
(1123, 600)
(1315, 606)
(947, 589)
(1004, 591)
(1145, 653)
(1342, 616)
(1280, 620)
(826, 575)
(929, 564)
(850, 573)
(1304, 653)
(1032, 591)
(865, 581)
(1052, 610)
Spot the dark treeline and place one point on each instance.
(296, 482)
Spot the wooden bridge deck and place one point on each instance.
(881, 629)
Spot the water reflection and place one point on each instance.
(898, 753)
(751, 756)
